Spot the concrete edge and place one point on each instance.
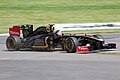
(5, 34)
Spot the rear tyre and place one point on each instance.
(71, 44)
(13, 43)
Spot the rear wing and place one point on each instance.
(14, 31)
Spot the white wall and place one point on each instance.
(86, 26)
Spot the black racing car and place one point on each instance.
(46, 38)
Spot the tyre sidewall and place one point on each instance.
(15, 43)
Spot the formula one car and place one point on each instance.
(46, 38)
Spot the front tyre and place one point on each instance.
(71, 44)
(13, 43)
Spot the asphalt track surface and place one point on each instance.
(59, 65)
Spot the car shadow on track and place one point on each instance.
(33, 50)
(59, 51)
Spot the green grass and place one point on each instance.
(111, 53)
(41, 12)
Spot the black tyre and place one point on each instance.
(13, 43)
(71, 44)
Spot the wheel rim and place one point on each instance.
(69, 45)
(50, 44)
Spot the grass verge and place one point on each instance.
(111, 53)
(37, 12)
